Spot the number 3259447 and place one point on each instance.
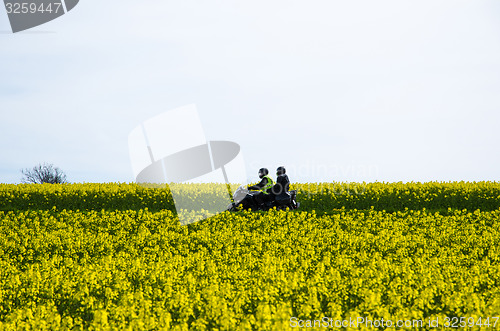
(32, 8)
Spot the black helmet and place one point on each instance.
(280, 171)
(263, 172)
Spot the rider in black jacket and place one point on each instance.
(280, 189)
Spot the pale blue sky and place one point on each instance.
(334, 90)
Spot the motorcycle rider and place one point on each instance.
(264, 186)
(280, 189)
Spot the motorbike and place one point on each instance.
(244, 199)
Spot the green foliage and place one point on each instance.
(398, 196)
(120, 265)
(322, 197)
